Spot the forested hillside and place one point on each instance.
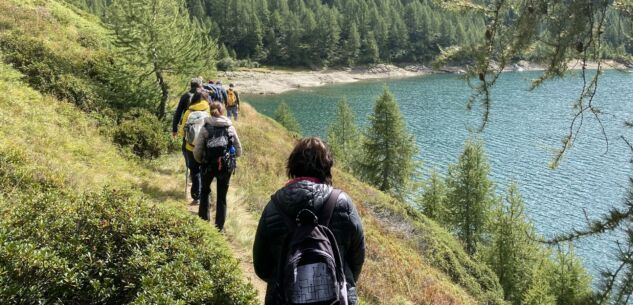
(316, 33)
(91, 199)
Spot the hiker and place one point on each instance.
(232, 102)
(216, 148)
(309, 188)
(221, 92)
(213, 94)
(185, 100)
(190, 125)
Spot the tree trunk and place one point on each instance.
(162, 108)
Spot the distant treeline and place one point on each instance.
(316, 33)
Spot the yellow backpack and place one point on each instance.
(232, 98)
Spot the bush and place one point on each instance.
(112, 248)
(18, 176)
(229, 64)
(48, 72)
(226, 64)
(94, 80)
(143, 133)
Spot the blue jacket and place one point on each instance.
(217, 92)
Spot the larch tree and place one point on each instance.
(432, 201)
(387, 148)
(344, 137)
(369, 49)
(352, 45)
(560, 32)
(160, 37)
(470, 196)
(513, 252)
(284, 116)
(570, 284)
(539, 292)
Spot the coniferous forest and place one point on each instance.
(318, 33)
(104, 165)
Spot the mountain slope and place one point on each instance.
(48, 142)
(409, 258)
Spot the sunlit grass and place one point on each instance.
(397, 269)
(410, 260)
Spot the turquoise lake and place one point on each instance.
(525, 128)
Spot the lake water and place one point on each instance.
(525, 128)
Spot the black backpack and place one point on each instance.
(311, 269)
(216, 152)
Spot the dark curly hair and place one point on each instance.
(311, 158)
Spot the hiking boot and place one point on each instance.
(195, 202)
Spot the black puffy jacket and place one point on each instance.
(271, 231)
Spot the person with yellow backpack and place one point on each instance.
(232, 102)
(190, 125)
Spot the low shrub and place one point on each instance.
(143, 133)
(226, 64)
(112, 248)
(48, 72)
(91, 76)
(17, 177)
(230, 64)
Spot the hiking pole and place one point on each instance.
(186, 178)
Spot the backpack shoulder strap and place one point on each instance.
(189, 99)
(326, 212)
(209, 129)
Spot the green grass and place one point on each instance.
(48, 143)
(409, 258)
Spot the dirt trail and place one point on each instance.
(239, 230)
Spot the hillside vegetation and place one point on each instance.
(83, 220)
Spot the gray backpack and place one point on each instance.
(194, 124)
(311, 269)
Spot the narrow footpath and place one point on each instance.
(239, 230)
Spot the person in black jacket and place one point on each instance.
(308, 168)
(185, 100)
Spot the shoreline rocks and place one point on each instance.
(262, 81)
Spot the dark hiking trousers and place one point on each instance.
(194, 170)
(223, 177)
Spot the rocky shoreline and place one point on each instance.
(268, 81)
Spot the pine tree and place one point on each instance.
(578, 27)
(470, 196)
(513, 253)
(330, 39)
(352, 46)
(539, 292)
(432, 202)
(569, 281)
(343, 136)
(196, 9)
(387, 148)
(284, 116)
(224, 52)
(159, 36)
(370, 52)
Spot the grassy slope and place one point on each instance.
(410, 259)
